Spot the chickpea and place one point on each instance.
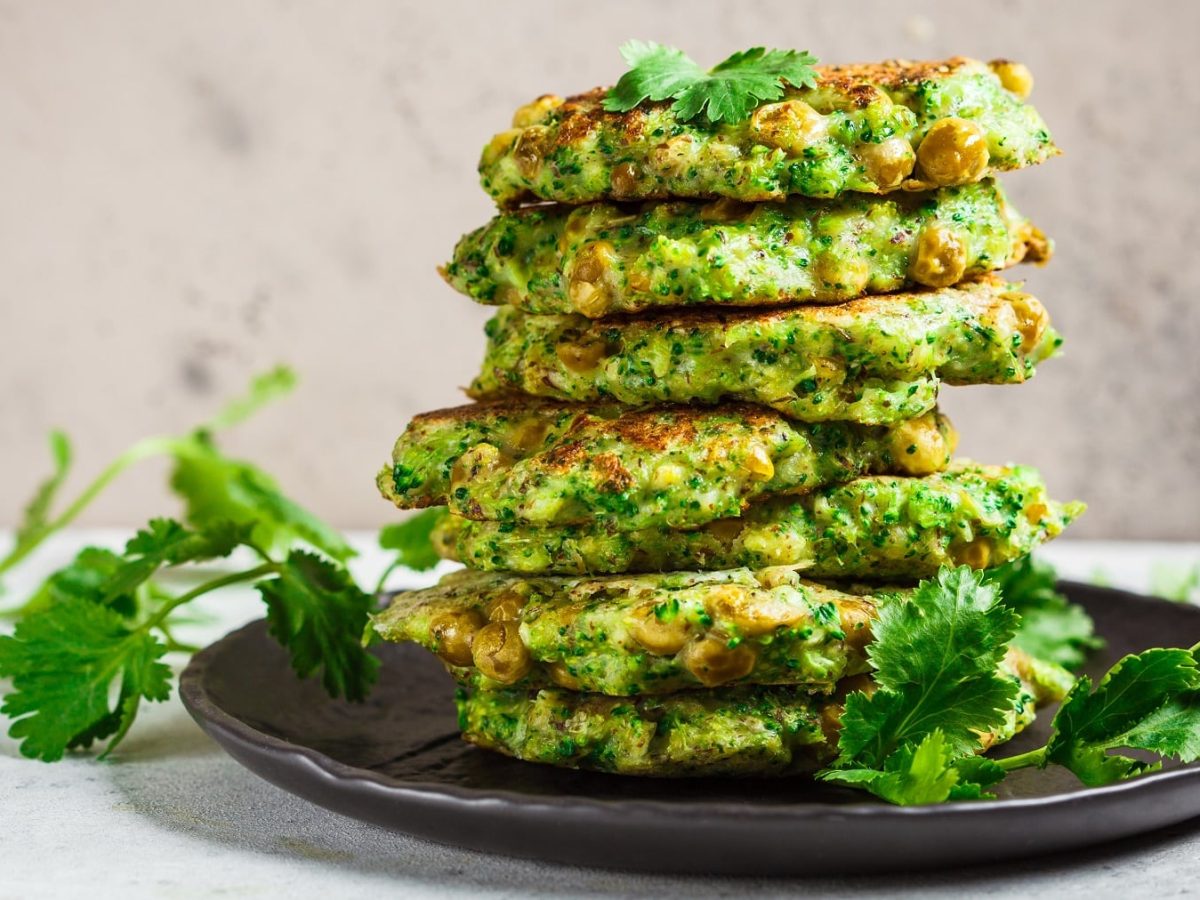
(775, 576)
(1036, 512)
(918, 446)
(562, 677)
(588, 281)
(713, 662)
(725, 531)
(479, 461)
(592, 300)
(847, 276)
(758, 463)
(507, 295)
(829, 370)
(529, 150)
(507, 605)
(638, 281)
(535, 113)
(954, 151)
(753, 614)
(498, 146)
(581, 357)
(887, 163)
(976, 554)
(793, 126)
(673, 157)
(1038, 248)
(667, 475)
(861, 682)
(445, 537)
(624, 180)
(941, 258)
(529, 435)
(499, 653)
(1013, 76)
(453, 633)
(660, 635)
(725, 209)
(831, 713)
(949, 435)
(831, 722)
(855, 619)
(1032, 319)
(579, 223)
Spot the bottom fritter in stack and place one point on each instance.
(725, 658)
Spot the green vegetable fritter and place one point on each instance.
(875, 360)
(640, 634)
(545, 463)
(871, 128)
(877, 527)
(605, 258)
(740, 730)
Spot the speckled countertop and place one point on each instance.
(173, 816)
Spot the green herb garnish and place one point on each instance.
(914, 739)
(728, 92)
(1052, 628)
(88, 645)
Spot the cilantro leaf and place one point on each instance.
(412, 540)
(912, 775)
(656, 72)
(1052, 628)
(164, 542)
(935, 659)
(974, 774)
(85, 578)
(319, 614)
(1147, 701)
(929, 772)
(728, 92)
(216, 488)
(64, 660)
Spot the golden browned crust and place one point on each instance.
(891, 73)
(497, 408)
(655, 432)
(986, 290)
(860, 82)
(652, 427)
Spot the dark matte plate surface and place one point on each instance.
(397, 761)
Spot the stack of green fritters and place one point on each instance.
(713, 378)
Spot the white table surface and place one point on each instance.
(171, 816)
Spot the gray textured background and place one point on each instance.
(190, 192)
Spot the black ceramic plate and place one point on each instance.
(397, 761)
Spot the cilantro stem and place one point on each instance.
(379, 585)
(141, 450)
(155, 621)
(1023, 760)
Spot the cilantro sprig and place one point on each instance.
(914, 739)
(88, 646)
(213, 487)
(936, 661)
(728, 92)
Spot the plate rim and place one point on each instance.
(209, 715)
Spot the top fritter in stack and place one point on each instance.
(713, 376)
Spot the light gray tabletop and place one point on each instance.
(171, 816)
